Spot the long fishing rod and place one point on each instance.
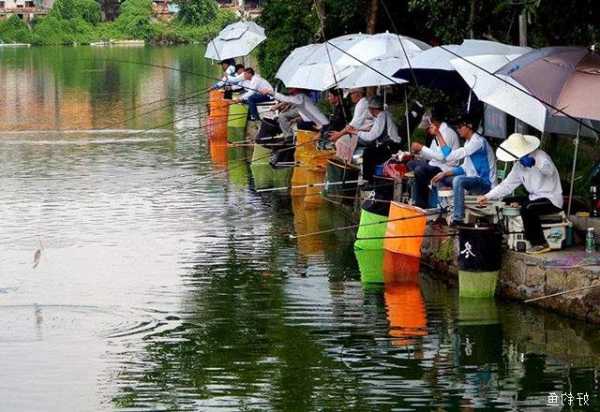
(321, 232)
(522, 90)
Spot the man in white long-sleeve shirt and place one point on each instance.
(345, 144)
(253, 83)
(430, 164)
(381, 141)
(232, 77)
(476, 175)
(312, 118)
(533, 169)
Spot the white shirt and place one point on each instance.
(231, 80)
(254, 85)
(541, 180)
(361, 119)
(306, 108)
(377, 130)
(434, 154)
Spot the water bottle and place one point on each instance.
(590, 243)
(595, 209)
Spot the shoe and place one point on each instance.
(538, 249)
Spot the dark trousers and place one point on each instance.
(423, 175)
(376, 155)
(531, 210)
(253, 101)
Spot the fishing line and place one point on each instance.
(437, 212)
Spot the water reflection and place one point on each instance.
(167, 286)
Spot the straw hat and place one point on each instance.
(518, 145)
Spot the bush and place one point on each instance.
(135, 19)
(197, 12)
(14, 30)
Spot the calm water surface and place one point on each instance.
(165, 283)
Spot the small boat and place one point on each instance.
(13, 45)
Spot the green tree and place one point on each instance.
(135, 19)
(197, 12)
(14, 30)
(88, 10)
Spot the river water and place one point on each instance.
(166, 283)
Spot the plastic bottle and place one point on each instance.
(590, 243)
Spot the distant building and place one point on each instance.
(24, 9)
(249, 8)
(164, 9)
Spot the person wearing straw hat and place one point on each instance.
(533, 168)
(380, 142)
(477, 173)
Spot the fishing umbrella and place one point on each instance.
(377, 72)
(330, 62)
(235, 40)
(552, 89)
(433, 67)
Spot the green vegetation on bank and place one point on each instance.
(79, 21)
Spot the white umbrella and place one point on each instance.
(296, 58)
(235, 40)
(334, 60)
(508, 95)
(378, 73)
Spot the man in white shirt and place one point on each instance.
(233, 76)
(430, 164)
(312, 118)
(361, 120)
(533, 169)
(476, 175)
(253, 83)
(381, 141)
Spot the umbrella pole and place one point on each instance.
(407, 118)
(573, 170)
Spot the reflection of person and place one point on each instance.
(432, 160)
(253, 83)
(533, 168)
(381, 141)
(476, 175)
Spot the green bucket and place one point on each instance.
(263, 175)
(370, 265)
(477, 284)
(237, 116)
(261, 154)
(236, 134)
(282, 176)
(370, 231)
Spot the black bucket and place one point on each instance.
(338, 171)
(479, 260)
(268, 129)
(384, 194)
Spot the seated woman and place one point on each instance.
(533, 169)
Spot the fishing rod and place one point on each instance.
(437, 212)
(308, 185)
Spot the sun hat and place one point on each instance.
(516, 146)
(376, 102)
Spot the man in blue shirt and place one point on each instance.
(476, 174)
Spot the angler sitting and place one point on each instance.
(380, 142)
(361, 120)
(337, 117)
(432, 158)
(534, 169)
(231, 78)
(476, 175)
(311, 116)
(253, 83)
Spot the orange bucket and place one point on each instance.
(307, 221)
(405, 312)
(218, 152)
(405, 229)
(219, 109)
(313, 194)
(306, 142)
(400, 268)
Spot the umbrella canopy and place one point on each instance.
(567, 78)
(378, 73)
(235, 40)
(433, 67)
(482, 74)
(337, 57)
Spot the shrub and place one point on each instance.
(14, 30)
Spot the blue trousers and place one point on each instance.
(252, 101)
(473, 185)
